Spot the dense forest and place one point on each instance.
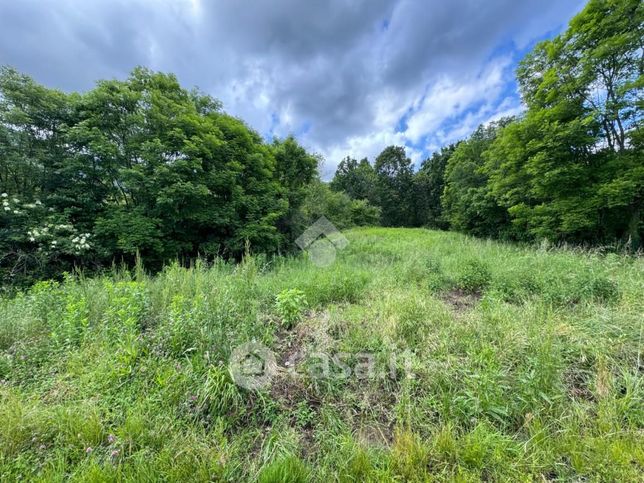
(146, 167)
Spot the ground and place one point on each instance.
(490, 361)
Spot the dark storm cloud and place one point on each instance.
(339, 73)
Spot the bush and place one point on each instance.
(474, 277)
(290, 305)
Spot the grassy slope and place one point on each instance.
(112, 378)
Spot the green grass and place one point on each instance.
(524, 364)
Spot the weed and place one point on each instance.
(474, 276)
(290, 305)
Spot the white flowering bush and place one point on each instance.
(36, 242)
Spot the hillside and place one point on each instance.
(490, 361)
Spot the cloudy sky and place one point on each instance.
(347, 77)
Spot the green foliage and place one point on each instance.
(467, 202)
(568, 169)
(285, 470)
(142, 166)
(474, 276)
(356, 179)
(290, 305)
(394, 181)
(337, 207)
(429, 183)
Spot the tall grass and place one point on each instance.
(525, 364)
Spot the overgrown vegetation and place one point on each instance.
(524, 364)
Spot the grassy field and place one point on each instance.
(490, 361)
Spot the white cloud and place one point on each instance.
(341, 74)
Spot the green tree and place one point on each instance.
(356, 179)
(394, 183)
(571, 169)
(429, 183)
(467, 203)
(295, 170)
(142, 166)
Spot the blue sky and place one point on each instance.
(347, 77)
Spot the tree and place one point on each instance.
(429, 183)
(342, 210)
(569, 170)
(295, 170)
(142, 166)
(467, 203)
(394, 183)
(356, 179)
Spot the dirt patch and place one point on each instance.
(309, 336)
(578, 386)
(460, 300)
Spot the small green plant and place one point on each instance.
(474, 277)
(290, 305)
(304, 414)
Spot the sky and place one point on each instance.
(346, 77)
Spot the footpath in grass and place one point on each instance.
(416, 355)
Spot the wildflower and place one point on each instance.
(5, 203)
(38, 202)
(111, 438)
(4, 195)
(32, 239)
(114, 453)
(16, 200)
(6, 208)
(89, 449)
(54, 243)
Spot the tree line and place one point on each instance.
(136, 166)
(570, 169)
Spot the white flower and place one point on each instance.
(54, 243)
(38, 202)
(32, 239)
(4, 195)
(5, 203)
(6, 208)
(16, 200)
(75, 239)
